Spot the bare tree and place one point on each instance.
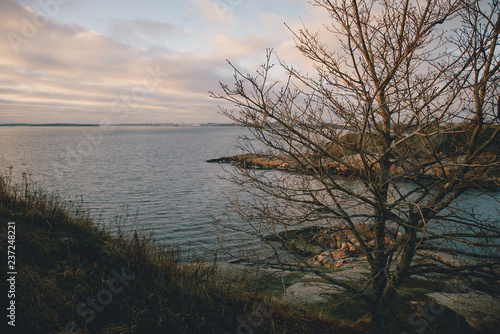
(388, 137)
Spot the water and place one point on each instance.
(158, 176)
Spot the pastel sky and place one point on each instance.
(124, 61)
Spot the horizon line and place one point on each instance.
(120, 124)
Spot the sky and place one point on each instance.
(124, 61)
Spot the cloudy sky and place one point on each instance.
(124, 61)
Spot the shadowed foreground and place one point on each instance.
(73, 276)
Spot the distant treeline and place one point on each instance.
(133, 124)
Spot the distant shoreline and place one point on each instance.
(133, 124)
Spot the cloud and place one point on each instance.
(215, 11)
(146, 33)
(146, 26)
(81, 75)
(69, 73)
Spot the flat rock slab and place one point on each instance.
(357, 275)
(311, 276)
(480, 310)
(451, 260)
(310, 292)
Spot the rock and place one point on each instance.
(310, 276)
(347, 263)
(299, 245)
(388, 241)
(315, 249)
(351, 247)
(323, 260)
(480, 310)
(258, 161)
(452, 260)
(322, 240)
(310, 292)
(339, 254)
(328, 262)
(339, 263)
(358, 275)
(303, 247)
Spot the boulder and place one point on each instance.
(339, 254)
(310, 292)
(310, 276)
(303, 247)
(339, 263)
(351, 247)
(324, 259)
(449, 259)
(480, 310)
(321, 258)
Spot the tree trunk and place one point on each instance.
(380, 320)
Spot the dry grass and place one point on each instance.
(65, 262)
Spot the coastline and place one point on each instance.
(73, 275)
(75, 265)
(330, 167)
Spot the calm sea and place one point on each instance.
(143, 178)
(157, 176)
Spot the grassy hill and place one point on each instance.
(74, 276)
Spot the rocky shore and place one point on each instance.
(324, 166)
(282, 162)
(258, 161)
(425, 298)
(330, 247)
(334, 253)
